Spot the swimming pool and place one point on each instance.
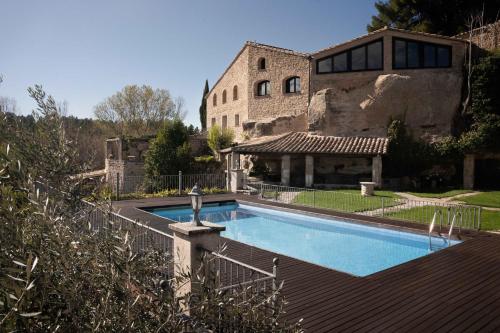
(352, 248)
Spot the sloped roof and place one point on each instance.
(306, 143)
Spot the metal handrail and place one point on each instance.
(239, 263)
(433, 223)
(450, 231)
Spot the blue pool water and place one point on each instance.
(348, 247)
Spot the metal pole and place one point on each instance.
(479, 219)
(275, 282)
(117, 186)
(383, 207)
(180, 182)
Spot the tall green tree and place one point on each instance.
(169, 152)
(219, 138)
(203, 107)
(446, 17)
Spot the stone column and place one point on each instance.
(285, 170)
(469, 172)
(235, 161)
(377, 170)
(309, 170)
(236, 180)
(189, 244)
(228, 172)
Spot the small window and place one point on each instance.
(235, 93)
(236, 120)
(340, 62)
(264, 88)
(429, 56)
(325, 65)
(443, 57)
(399, 54)
(358, 59)
(292, 85)
(215, 100)
(262, 63)
(224, 97)
(213, 122)
(374, 56)
(224, 121)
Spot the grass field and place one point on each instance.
(487, 199)
(438, 194)
(346, 200)
(490, 220)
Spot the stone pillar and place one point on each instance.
(367, 188)
(285, 170)
(377, 170)
(309, 170)
(189, 244)
(235, 161)
(228, 172)
(469, 172)
(236, 180)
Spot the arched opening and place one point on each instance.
(292, 85)
(264, 88)
(262, 63)
(224, 97)
(235, 93)
(214, 100)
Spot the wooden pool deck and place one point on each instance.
(454, 290)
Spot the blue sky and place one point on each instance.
(83, 51)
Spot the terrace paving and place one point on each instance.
(454, 290)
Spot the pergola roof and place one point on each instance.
(306, 143)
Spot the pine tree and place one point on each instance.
(203, 107)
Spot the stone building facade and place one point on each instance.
(350, 90)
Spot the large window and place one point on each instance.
(292, 85)
(360, 58)
(264, 88)
(411, 54)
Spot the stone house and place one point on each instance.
(322, 117)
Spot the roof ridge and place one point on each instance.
(276, 48)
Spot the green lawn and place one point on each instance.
(346, 200)
(439, 193)
(490, 220)
(488, 199)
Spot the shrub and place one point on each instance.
(219, 138)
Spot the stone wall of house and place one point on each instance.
(362, 103)
(275, 126)
(235, 75)
(487, 37)
(280, 66)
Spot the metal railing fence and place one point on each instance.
(142, 236)
(153, 184)
(416, 211)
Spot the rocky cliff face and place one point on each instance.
(275, 126)
(366, 110)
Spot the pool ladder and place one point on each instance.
(450, 230)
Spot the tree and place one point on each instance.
(138, 111)
(219, 138)
(169, 152)
(203, 107)
(433, 16)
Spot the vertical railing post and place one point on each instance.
(180, 182)
(275, 282)
(383, 207)
(479, 219)
(314, 198)
(117, 186)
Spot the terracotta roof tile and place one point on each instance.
(303, 142)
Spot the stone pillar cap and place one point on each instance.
(186, 228)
